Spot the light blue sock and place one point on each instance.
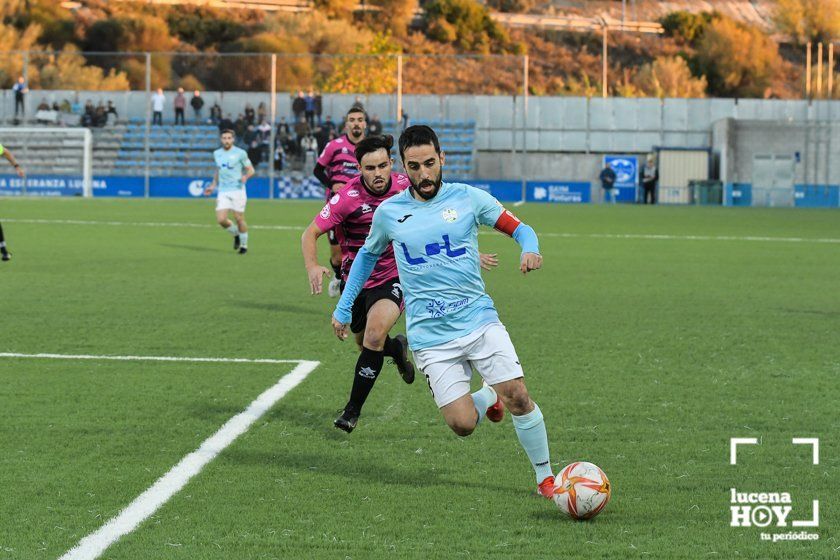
(530, 429)
(243, 239)
(483, 399)
(232, 229)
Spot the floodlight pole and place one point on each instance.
(399, 90)
(819, 69)
(273, 134)
(524, 155)
(147, 148)
(808, 71)
(605, 61)
(831, 70)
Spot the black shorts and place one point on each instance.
(391, 290)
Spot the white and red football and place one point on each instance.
(582, 490)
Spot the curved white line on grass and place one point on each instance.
(650, 236)
(93, 545)
(147, 358)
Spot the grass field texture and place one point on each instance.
(651, 336)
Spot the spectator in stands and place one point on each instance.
(607, 178)
(250, 135)
(250, 115)
(254, 152)
(240, 125)
(65, 106)
(283, 130)
(216, 113)
(301, 130)
(264, 129)
(100, 115)
(226, 123)
(54, 106)
(322, 135)
(374, 126)
(319, 106)
(309, 102)
(20, 89)
(279, 158)
(262, 113)
(299, 106)
(650, 176)
(309, 145)
(197, 103)
(111, 110)
(158, 101)
(180, 104)
(328, 125)
(43, 105)
(89, 116)
(264, 134)
(76, 107)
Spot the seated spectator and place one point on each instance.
(216, 113)
(254, 153)
(100, 115)
(55, 106)
(374, 127)
(261, 112)
(240, 125)
(65, 106)
(265, 130)
(112, 110)
(249, 113)
(250, 135)
(43, 105)
(283, 130)
(279, 158)
(76, 107)
(328, 125)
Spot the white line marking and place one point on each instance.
(648, 236)
(814, 443)
(147, 358)
(733, 447)
(518, 203)
(93, 545)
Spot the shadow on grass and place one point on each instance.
(276, 307)
(194, 248)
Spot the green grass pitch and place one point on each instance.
(650, 337)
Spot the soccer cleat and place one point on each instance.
(546, 488)
(7, 256)
(243, 250)
(236, 242)
(334, 288)
(404, 366)
(347, 420)
(496, 413)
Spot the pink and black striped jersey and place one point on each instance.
(350, 212)
(339, 161)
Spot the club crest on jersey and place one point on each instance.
(366, 209)
(345, 151)
(353, 193)
(325, 211)
(450, 215)
(335, 199)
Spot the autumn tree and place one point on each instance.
(738, 60)
(668, 77)
(808, 20)
(466, 24)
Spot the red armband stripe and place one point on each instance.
(507, 223)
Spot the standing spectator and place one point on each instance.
(76, 107)
(309, 146)
(375, 126)
(264, 130)
(283, 130)
(254, 152)
(301, 130)
(158, 101)
(329, 125)
(226, 123)
(650, 176)
(279, 157)
(100, 115)
(262, 112)
(65, 106)
(89, 116)
(111, 110)
(249, 113)
(250, 135)
(20, 89)
(298, 106)
(240, 126)
(319, 106)
(180, 104)
(216, 113)
(607, 177)
(309, 104)
(197, 103)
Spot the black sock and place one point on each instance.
(392, 348)
(336, 268)
(368, 367)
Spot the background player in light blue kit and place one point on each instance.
(233, 169)
(453, 326)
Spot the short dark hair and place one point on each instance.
(356, 108)
(228, 131)
(372, 144)
(418, 135)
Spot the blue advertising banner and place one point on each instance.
(817, 196)
(626, 176)
(567, 193)
(190, 187)
(503, 191)
(308, 188)
(69, 185)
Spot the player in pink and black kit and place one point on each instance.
(379, 305)
(336, 166)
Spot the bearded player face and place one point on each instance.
(424, 167)
(376, 171)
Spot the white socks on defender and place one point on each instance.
(243, 239)
(530, 429)
(232, 229)
(483, 399)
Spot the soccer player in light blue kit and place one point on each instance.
(453, 326)
(233, 169)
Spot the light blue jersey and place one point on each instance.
(436, 248)
(231, 165)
